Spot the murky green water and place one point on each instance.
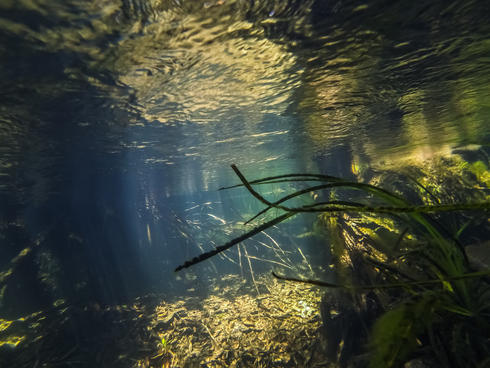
(119, 121)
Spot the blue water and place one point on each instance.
(119, 122)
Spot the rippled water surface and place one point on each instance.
(118, 118)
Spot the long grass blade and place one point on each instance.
(392, 285)
(287, 178)
(400, 204)
(237, 240)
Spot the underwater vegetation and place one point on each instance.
(428, 302)
(231, 327)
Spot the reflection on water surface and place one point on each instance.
(184, 83)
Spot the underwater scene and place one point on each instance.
(244, 183)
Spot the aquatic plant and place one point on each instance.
(442, 306)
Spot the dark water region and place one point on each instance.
(119, 121)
